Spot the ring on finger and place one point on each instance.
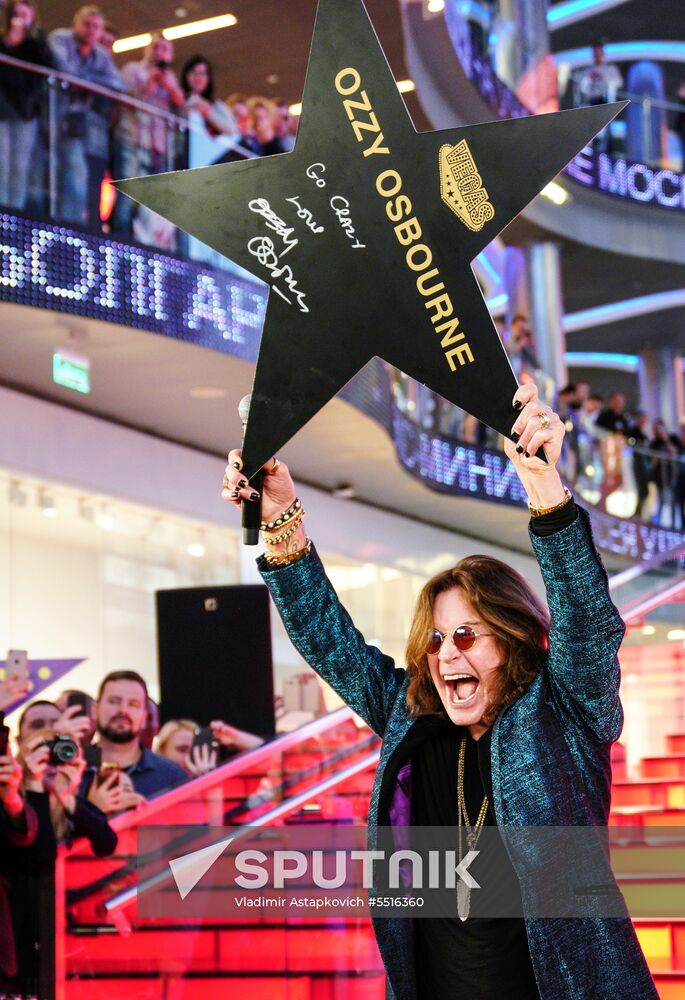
(544, 419)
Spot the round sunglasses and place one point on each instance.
(463, 637)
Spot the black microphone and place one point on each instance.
(251, 510)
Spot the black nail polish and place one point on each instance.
(242, 484)
(254, 496)
(519, 449)
(527, 455)
(515, 436)
(234, 495)
(518, 405)
(236, 465)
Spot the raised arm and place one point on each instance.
(586, 629)
(317, 623)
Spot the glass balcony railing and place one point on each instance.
(81, 136)
(319, 774)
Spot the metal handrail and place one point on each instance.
(656, 102)
(119, 97)
(126, 897)
(233, 767)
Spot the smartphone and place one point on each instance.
(4, 735)
(93, 756)
(106, 770)
(204, 737)
(17, 663)
(78, 698)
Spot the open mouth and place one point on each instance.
(462, 688)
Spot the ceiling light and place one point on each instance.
(406, 86)
(46, 502)
(435, 6)
(132, 42)
(199, 27)
(676, 633)
(207, 392)
(295, 109)
(555, 192)
(648, 630)
(176, 31)
(196, 550)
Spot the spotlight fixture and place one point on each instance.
(46, 502)
(17, 495)
(676, 633)
(648, 630)
(435, 6)
(196, 550)
(105, 518)
(296, 109)
(344, 491)
(406, 86)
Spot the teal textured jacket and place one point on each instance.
(550, 749)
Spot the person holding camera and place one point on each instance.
(53, 767)
(145, 140)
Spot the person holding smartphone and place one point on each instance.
(18, 831)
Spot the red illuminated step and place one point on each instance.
(675, 743)
(666, 792)
(670, 766)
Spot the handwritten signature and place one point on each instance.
(262, 207)
(262, 247)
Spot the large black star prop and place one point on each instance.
(366, 232)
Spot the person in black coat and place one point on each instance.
(21, 96)
(51, 790)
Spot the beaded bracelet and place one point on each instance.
(291, 557)
(294, 524)
(283, 518)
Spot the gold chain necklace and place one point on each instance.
(472, 833)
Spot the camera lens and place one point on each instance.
(62, 750)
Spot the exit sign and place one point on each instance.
(71, 370)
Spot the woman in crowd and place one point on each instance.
(21, 93)
(50, 788)
(176, 737)
(197, 81)
(18, 831)
(504, 717)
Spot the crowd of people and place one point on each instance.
(605, 448)
(79, 761)
(99, 138)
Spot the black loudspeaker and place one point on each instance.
(214, 649)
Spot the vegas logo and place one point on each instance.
(461, 186)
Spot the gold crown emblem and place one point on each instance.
(461, 186)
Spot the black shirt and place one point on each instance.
(481, 958)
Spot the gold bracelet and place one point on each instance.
(290, 530)
(540, 511)
(283, 518)
(291, 557)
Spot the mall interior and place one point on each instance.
(126, 347)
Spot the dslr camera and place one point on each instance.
(62, 749)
